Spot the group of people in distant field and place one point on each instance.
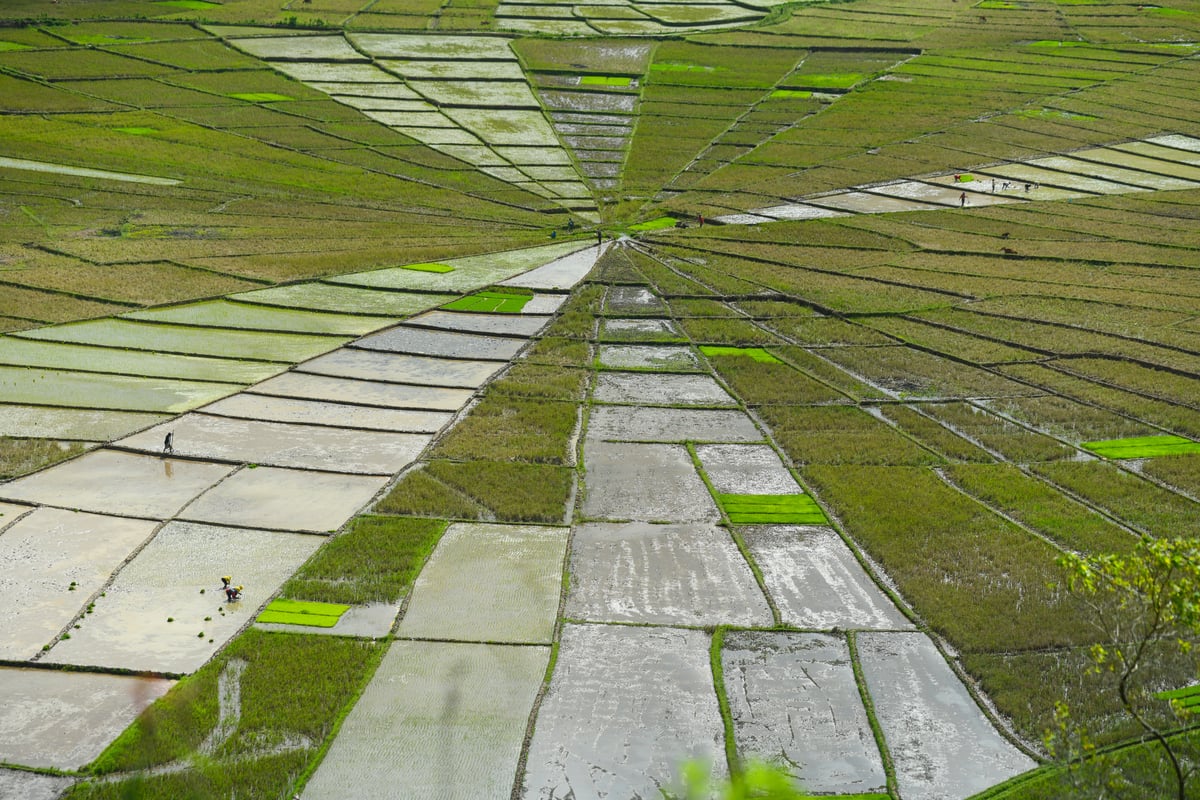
(232, 592)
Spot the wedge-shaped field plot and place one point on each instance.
(658, 357)
(246, 316)
(53, 562)
(657, 424)
(307, 386)
(91, 358)
(78, 424)
(344, 299)
(639, 388)
(154, 616)
(442, 720)
(32, 785)
(46, 387)
(745, 469)
(64, 720)
(561, 274)
(793, 698)
(647, 482)
(296, 48)
(1132, 177)
(316, 412)
(663, 574)
(816, 582)
(626, 707)
(444, 344)
(191, 340)
(942, 745)
(281, 444)
(285, 499)
(502, 324)
(112, 482)
(403, 368)
(11, 512)
(489, 583)
(434, 47)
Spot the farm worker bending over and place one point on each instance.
(233, 593)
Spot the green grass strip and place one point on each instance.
(490, 302)
(793, 93)
(303, 612)
(1188, 697)
(1143, 446)
(762, 509)
(657, 224)
(668, 66)
(833, 80)
(260, 97)
(430, 267)
(191, 5)
(603, 80)
(757, 353)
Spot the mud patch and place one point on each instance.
(745, 469)
(662, 357)
(315, 412)
(665, 389)
(657, 424)
(646, 482)
(373, 393)
(402, 368)
(443, 344)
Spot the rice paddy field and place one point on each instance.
(549, 401)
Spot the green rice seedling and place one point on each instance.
(932, 435)
(1041, 507)
(771, 509)
(1012, 441)
(1143, 446)
(978, 580)
(492, 302)
(302, 612)
(841, 435)
(504, 428)
(1126, 496)
(375, 560)
(22, 456)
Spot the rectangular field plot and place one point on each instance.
(443, 344)
(489, 583)
(643, 330)
(152, 616)
(50, 718)
(442, 720)
(53, 562)
(189, 340)
(941, 743)
(305, 386)
(1133, 178)
(760, 509)
(226, 314)
(816, 582)
(639, 388)
(561, 274)
(403, 368)
(658, 424)
(745, 469)
(343, 299)
(316, 412)
(491, 301)
(76, 424)
(662, 574)
(112, 482)
(502, 324)
(42, 387)
(867, 203)
(302, 612)
(626, 707)
(281, 444)
(647, 482)
(16, 351)
(658, 357)
(1143, 447)
(285, 499)
(793, 697)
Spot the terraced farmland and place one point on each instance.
(587, 396)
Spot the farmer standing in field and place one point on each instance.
(169, 442)
(962, 200)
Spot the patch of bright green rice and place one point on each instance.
(1188, 697)
(1143, 446)
(654, 224)
(668, 66)
(303, 612)
(603, 80)
(490, 302)
(833, 80)
(260, 97)
(439, 268)
(771, 509)
(757, 353)
(4, 46)
(790, 93)
(137, 131)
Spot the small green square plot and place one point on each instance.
(302, 612)
(1187, 698)
(771, 509)
(1143, 447)
(757, 353)
(491, 302)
